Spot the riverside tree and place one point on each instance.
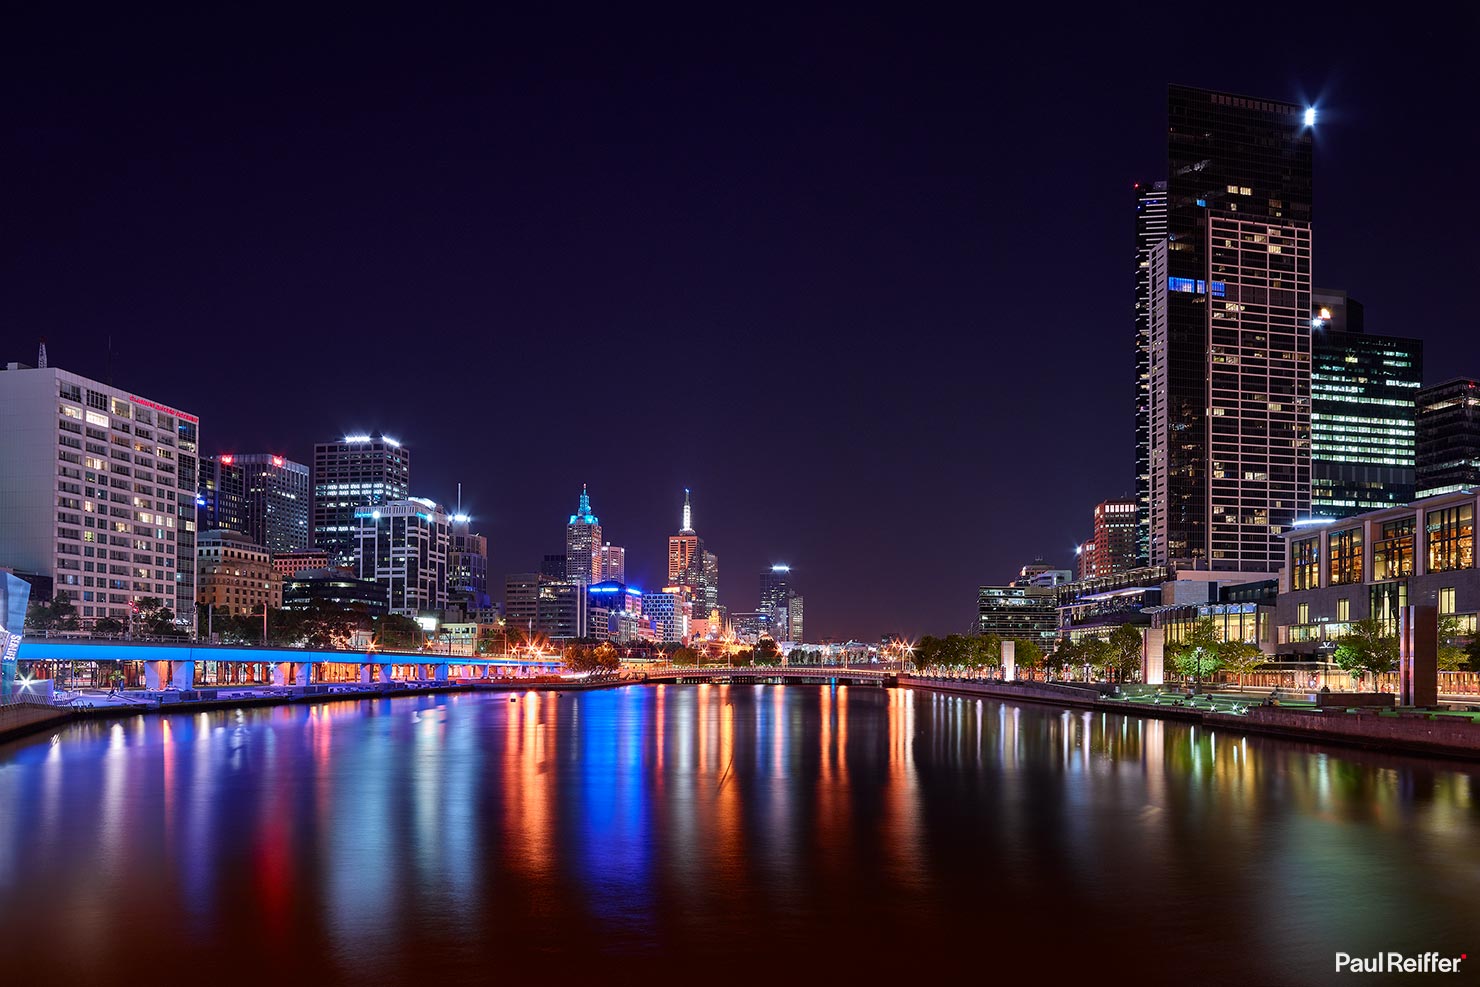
(1241, 658)
(1196, 656)
(1367, 647)
(1123, 653)
(1028, 654)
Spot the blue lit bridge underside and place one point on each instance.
(175, 664)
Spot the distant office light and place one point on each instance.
(1310, 116)
(780, 568)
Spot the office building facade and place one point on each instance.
(467, 565)
(221, 502)
(1229, 333)
(1363, 411)
(99, 486)
(403, 547)
(235, 574)
(354, 472)
(278, 500)
(1018, 613)
(686, 551)
(613, 563)
(1448, 437)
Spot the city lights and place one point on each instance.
(1310, 116)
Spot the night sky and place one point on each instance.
(863, 282)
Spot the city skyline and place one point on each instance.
(974, 269)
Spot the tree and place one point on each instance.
(1028, 654)
(1196, 655)
(396, 631)
(683, 656)
(1065, 654)
(1452, 656)
(1241, 658)
(1367, 647)
(152, 616)
(59, 614)
(767, 652)
(323, 625)
(986, 650)
(107, 625)
(1123, 652)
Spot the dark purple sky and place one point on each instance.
(862, 281)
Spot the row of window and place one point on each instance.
(1449, 537)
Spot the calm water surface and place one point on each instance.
(716, 833)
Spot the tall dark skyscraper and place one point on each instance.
(356, 471)
(1362, 411)
(1151, 235)
(1229, 328)
(1449, 437)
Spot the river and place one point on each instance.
(716, 833)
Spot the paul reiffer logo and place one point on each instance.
(1398, 963)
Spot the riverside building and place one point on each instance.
(1373, 564)
(1229, 333)
(98, 487)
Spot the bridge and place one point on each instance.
(869, 674)
(181, 665)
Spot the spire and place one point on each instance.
(41, 355)
(583, 513)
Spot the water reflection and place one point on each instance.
(440, 836)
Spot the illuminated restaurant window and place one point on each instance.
(1305, 572)
(1446, 600)
(1451, 535)
(1345, 549)
(1392, 550)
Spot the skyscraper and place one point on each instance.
(1362, 411)
(276, 498)
(1113, 546)
(467, 564)
(402, 546)
(583, 544)
(613, 563)
(350, 473)
(776, 594)
(1449, 437)
(1151, 235)
(222, 497)
(686, 552)
(1229, 333)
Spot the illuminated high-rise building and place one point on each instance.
(686, 552)
(1114, 542)
(1229, 333)
(402, 546)
(1449, 437)
(583, 544)
(467, 564)
(1362, 393)
(349, 473)
(1151, 235)
(613, 563)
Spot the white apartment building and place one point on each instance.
(403, 546)
(97, 491)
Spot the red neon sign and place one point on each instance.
(227, 460)
(163, 407)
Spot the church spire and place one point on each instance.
(688, 518)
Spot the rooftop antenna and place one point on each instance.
(41, 355)
(459, 499)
